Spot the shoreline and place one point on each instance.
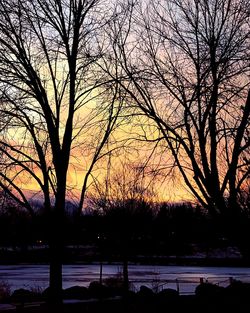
(157, 261)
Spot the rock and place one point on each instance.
(238, 288)
(76, 292)
(45, 293)
(25, 295)
(168, 294)
(98, 290)
(145, 293)
(208, 289)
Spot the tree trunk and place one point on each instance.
(56, 260)
(55, 280)
(56, 245)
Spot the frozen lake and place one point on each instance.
(186, 278)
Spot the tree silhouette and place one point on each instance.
(124, 200)
(185, 65)
(57, 111)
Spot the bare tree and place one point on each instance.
(57, 109)
(125, 197)
(185, 65)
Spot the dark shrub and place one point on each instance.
(4, 291)
(130, 296)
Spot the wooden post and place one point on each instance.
(177, 286)
(100, 279)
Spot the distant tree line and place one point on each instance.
(137, 228)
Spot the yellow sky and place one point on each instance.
(129, 144)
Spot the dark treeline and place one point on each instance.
(135, 231)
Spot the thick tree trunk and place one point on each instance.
(56, 260)
(56, 245)
(55, 280)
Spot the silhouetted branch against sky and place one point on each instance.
(49, 87)
(185, 64)
(53, 99)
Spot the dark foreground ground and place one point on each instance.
(98, 298)
(183, 304)
(148, 304)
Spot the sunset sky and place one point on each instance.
(99, 85)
